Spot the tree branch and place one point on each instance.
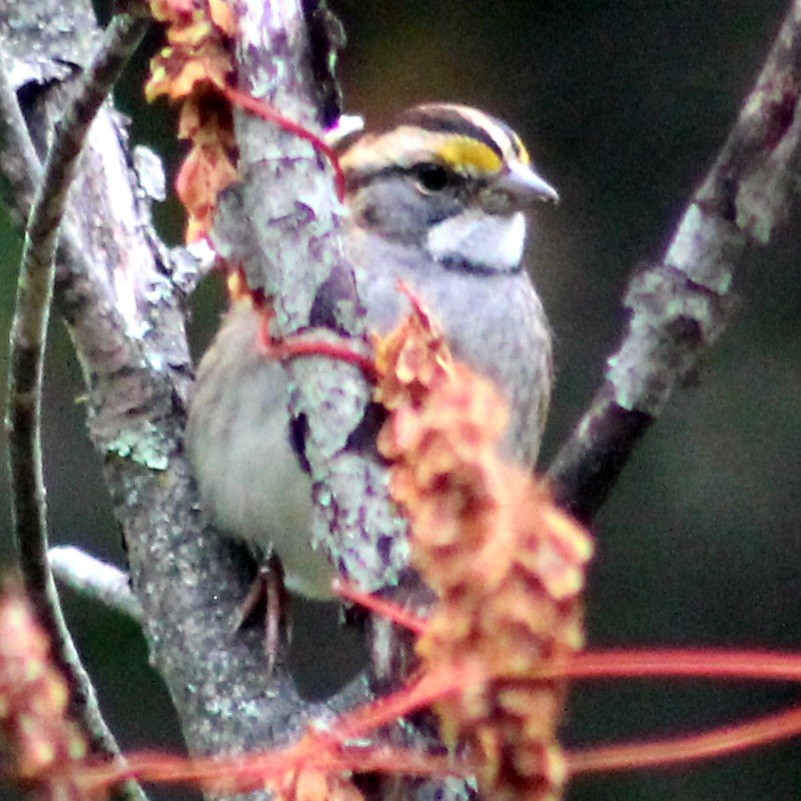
(293, 251)
(27, 348)
(681, 304)
(97, 580)
(121, 293)
(20, 169)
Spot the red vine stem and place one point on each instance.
(326, 750)
(294, 347)
(685, 663)
(267, 112)
(386, 609)
(661, 753)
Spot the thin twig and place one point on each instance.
(95, 579)
(27, 347)
(681, 304)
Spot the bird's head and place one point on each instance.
(448, 178)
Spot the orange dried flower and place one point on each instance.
(46, 747)
(194, 68)
(506, 563)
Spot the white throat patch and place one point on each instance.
(486, 240)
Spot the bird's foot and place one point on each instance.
(268, 601)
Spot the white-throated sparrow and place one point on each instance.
(439, 201)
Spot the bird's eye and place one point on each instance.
(431, 177)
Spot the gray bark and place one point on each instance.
(680, 305)
(122, 295)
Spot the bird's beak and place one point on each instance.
(524, 186)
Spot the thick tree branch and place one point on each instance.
(680, 305)
(35, 287)
(292, 251)
(121, 294)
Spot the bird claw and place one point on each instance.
(267, 601)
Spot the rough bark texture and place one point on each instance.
(293, 251)
(121, 295)
(680, 305)
(27, 351)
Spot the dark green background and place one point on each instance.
(623, 105)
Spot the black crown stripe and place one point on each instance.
(443, 120)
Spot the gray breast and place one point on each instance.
(494, 323)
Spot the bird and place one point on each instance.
(438, 200)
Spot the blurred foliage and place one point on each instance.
(624, 105)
